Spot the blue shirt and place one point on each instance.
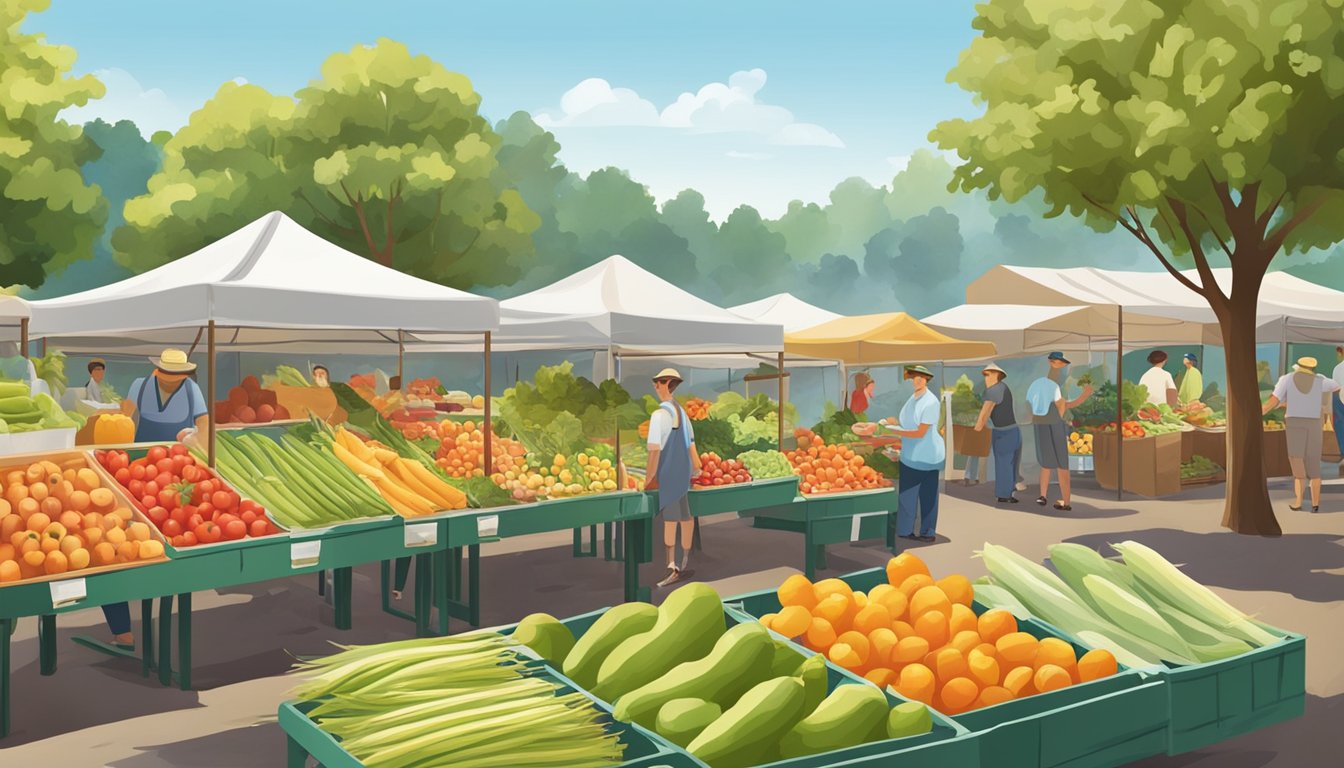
(1042, 396)
(927, 452)
(182, 408)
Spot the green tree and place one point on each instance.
(858, 210)
(806, 230)
(386, 154)
(1198, 128)
(49, 215)
(756, 262)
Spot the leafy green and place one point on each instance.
(1135, 397)
(759, 406)
(51, 369)
(1213, 398)
(965, 402)
(358, 410)
(482, 493)
(715, 436)
(884, 465)
(835, 427)
(290, 376)
(561, 412)
(1099, 408)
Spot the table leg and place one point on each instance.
(632, 534)
(46, 643)
(456, 566)
(809, 554)
(321, 583)
(441, 587)
(474, 583)
(147, 637)
(166, 640)
(184, 641)
(619, 539)
(6, 627)
(424, 593)
(342, 584)
(695, 536)
(295, 755)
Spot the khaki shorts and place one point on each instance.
(1306, 439)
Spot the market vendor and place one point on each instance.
(167, 406)
(1192, 382)
(1006, 437)
(1161, 386)
(1303, 393)
(922, 454)
(864, 386)
(321, 376)
(93, 391)
(673, 460)
(1045, 397)
(1338, 400)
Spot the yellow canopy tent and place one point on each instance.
(882, 339)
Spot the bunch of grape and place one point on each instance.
(764, 465)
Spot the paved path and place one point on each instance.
(100, 712)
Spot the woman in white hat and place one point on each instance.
(166, 405)
(1303, 395)
(673, 460)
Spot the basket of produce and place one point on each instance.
(34, 423)
(965, 411)
(60, 518)
(250, 403)
(1200, 470)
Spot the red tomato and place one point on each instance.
(235, 529)
(178, 450)
(207, 532)
(169, 498)
(208, 486)
(206, 509)
(248, 517)
(248, 505)
(191, 473)
(137, 471)
(182, 515)
(176, 541)
(118, 461)
(136, 487)
(148, 501)
(195, 521)
(222, 500)
(152, 488)
(259, 528)
(188, 539)
(180, 463)
(171, 527)
(158, 515)
(123, 476)
(222, 519)
(157, 453)
(718, 481)
(166, 479)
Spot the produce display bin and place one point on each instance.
(179, 552)
(1275, 453)
(1152, 465)
(948, 744)
(832, 518)
(740, 497)
(37, 441)
(1221, 699)
(1209, 443)
(1081, 463)
(1106, 722)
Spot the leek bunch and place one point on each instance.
(467, 701)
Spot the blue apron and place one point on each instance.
(674, 461)
(151, 430)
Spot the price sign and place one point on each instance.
(68, 592)
(487, 526)
(304, 553)
(421, 534)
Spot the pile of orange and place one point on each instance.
(462, 450)
(920, 637)
(696, 409)
(826, 468)
(60, 518)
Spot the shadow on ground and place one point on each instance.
(255, 745)
(1229, 560)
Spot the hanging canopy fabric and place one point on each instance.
(13, 311)
(616, 305)
(270, 275)
(880, 339)
(785, 309)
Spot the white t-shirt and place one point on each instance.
(660, 428)
(1158, 382)
(1304, 405)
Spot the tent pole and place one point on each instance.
(1283, 356)
(210, 394)
(401, 361)
(781, 402)
(42, 346)
(615, 362)
(489, 423)
(1120, 403)
(23, 337)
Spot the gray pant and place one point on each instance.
(1306, 438)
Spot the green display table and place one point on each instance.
(832, 518)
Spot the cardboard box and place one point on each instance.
(1275, 454)
(968, 442)
(1211, 444)
(1152, 465)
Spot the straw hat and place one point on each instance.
(1306, 364)
(918, 370)
(173, 361)
(668, 373)
(992, 368)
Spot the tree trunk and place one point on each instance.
(1247, 508)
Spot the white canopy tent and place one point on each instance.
(14, 315)
(785, 309)
(271, 286)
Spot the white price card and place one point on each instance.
(304, 553)
(422, 534)
(487, 526)
(856, 523)
(68, 592)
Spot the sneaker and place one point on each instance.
(1021, 486)
(1008, 500)
(926, 539)
(672, 577)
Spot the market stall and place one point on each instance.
(246, 289)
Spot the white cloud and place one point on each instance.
(731, 107)
(149, 108)
(594, 102)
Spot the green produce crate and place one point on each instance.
(466, 527)
(1107, 722)
(1221, 699)
(948, 745)
(757, 494)
(642, 749)
(276, 557)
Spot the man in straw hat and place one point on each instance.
(1006, 437)
(673, 461)
(1045, 396)
(166, 406)
(1303, 393)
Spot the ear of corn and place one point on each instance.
(1126, 610)
(994, 596)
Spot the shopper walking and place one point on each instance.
(1006, 436)
(1303, 394)
(1192, 381)
(922, 454)
(1338, 399)
(672, 457)
(1045, 396)
(1160, 385)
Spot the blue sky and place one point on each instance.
(749, 102)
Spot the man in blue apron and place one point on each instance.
(166, 405)
(672, 462)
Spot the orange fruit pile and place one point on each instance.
(60, 518)
(696, 409)
(826, 468)
(920, 637)
(462, 451)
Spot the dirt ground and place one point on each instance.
(100, 712)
